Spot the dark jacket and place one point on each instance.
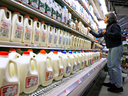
(112, 36)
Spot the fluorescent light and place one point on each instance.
(103, 5)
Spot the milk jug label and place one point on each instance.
(19, 31)
(60, 39)
(67, 41)
(70, 41)
(55, 39)
(50, 37)
(78, 65)
(85, 63)
(61, 71)
(63, 40)
(37, 34)
(4, 29)
(68, 69)
(31, 81)
(43, 38)
(82, 64)
(74, 68)
(9, 90)
(49, 75)
(28, 32)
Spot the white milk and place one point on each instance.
(27, 32)
(59, 36)
(36, 31)
(48, 8)
(9, 81)
(45, 70)
(31, 53)
(43, 34)
(72, 62)
(57, 66)
(28, 73)
(13, 54)
(60, 39)
(42, 5)
(81, 59)
(5, 23)
(17, 27)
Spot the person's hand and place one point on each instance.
(88, 28)
(103, 32)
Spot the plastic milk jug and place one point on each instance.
(50, 33)
(9, 81)
(57, 66)
(81, 59)
(5, 23)
(27, 29)
(48, 8)
(66, 64)
(42, 5)
(59, 52)
(64, 36)
(67, 40)
(84, 58)
(31, 53)
(72, 62)
(77, 60)
(59, 36)
(28, 74)
(60, 39)
(17, 27)
(13, 54)
(36, 31)
(45, 70)
(43, 34)
(70, 40)
(55, 31)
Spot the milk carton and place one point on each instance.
(5, 23)
(54, 9)
(43, 34)
(13, 54)
(9, 81)
(24, 1)
(44, 67)
(34, 3)
(60, 38)
(48, 9)
(36, 31)
(17, 27)
(28, 74)
(42, 5)
(27, 32)
(31, 53)
(56, 65)
(59, 12)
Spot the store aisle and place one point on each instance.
(104, 91)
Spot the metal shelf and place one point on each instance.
(74, 84)
(33, 12)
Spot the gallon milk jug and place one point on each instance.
(57, 66)
(27, 32)
(64, 36)
(77, 60)
(44, 67)
(84, 58)
(43, 34)
(58, 36)
(72, 62)
(17, 27)
(50, 33)
(9, 81)
(81, 59)
(13, 54)
(55, 30)
(67, 40)
(59, 52)
(36, 31)
(48, 8)
(70, 40)
(60, 39)
(5, 23)
(42, 6)
(31, 53)
(28, 74)
(66, 64)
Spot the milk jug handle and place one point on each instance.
(35, 64)
(9, 14)
(21, 18)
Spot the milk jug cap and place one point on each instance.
(42, 52)
(3, 53)
(52, 50)
(17, 11)
(64, 52)
(12, 50)
(70, 52)
(55, 52)
(35, 19)
(42, 22)
(26, 15)
(48, 24)
(30, 50)
(26, 53)
(59, 51)
(3, 6)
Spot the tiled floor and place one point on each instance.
(104, 91)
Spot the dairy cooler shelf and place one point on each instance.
(73, 85)
(33, 12)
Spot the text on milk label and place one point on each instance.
(78, 65)
(37, 34)
(74, 68)
(28, 32)
(31, 81)
(9, 90)
(68, 69)
(19, 31)
(43, 38)
(61, 71)
(50, 37)
(4, 29)
(49, 75)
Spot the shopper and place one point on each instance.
(113, 39)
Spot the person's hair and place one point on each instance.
(111, 18)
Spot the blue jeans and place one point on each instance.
(114, 65)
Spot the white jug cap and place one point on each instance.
(26, 53)
(3, 53)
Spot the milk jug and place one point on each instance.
(31, 53)
(50, 32)
(17, 27)
(13, 54)
(67, 40)
(5, 23)
(66, 64)
(72, 61)
(70, 40)
(36, 31)
(64, 38)
(27, 32)
(48, 8)
(59, 52)
(77, 60)
(60, 39)
(28, 74)
(57, 66)
(84, 58)
(56, 36)
(9, 81)
(81, 59)
(45, 70)
(42, 5)
(43, 34)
